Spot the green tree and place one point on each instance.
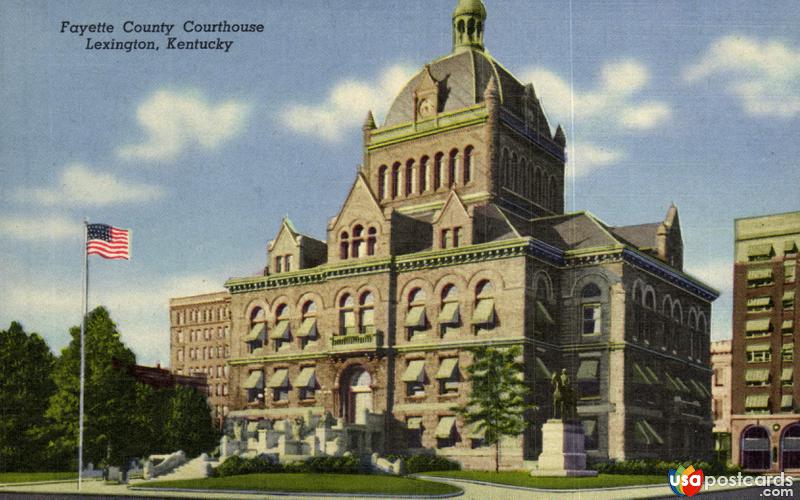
(25, 388)
(110, 396)
(499, 398)
(189, 426)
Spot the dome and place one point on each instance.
(470, 7)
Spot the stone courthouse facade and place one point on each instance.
(452, 236)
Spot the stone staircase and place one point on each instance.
(196, 468)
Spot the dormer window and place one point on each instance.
(372, 240)
(358, 233)
(344, 245)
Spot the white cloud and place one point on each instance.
(719, 274)
(586, 158)
(39, 228)
(612, 102)
(763, 75)
(79, 185)
(346, 105)
(177, 121)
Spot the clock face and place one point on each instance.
(426, 108)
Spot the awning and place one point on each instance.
(764, 250)
(476, 431)
(639, 375)
(415, 317)
(759, 301)
(306, 378)
(281, 330)
(279, 379)
(789, 346)
(788, 324)
(788, 295)
(787, 401)
(588, 369)
(757, 347)
(541, 368)
(652, 432)
(256, 331)
(415, 372)
(414, 423)
(790, 247)
(758, 325)
(543, 314)
(759, 274)
(646, 434)
(787, 374)
(308, 328)
(672, 383)
(789, 269)
(445, 428)
(484, 312)
(446, 368)
(698, 388)
(683, 386)
(449, 314)
(653, 377)
(756, 401)
(255, 380)
(756, 375)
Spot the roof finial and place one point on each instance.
(468, 23)
(369, 122)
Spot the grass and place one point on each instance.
(29, 477)
(523, 478)
(313, 483)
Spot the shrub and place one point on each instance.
(657, 467)
(425, 463)
(237, 465)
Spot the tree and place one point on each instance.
(25, 388)
(498, 400)
(189, 426)
(110, 396)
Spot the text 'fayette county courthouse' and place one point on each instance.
(454, 235)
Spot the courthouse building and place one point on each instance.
(453, 235)
(765, 424)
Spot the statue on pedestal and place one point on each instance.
(564, 400)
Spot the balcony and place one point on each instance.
(368, 340)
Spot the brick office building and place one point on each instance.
(454, 235)
(765, 426)
(721, 397)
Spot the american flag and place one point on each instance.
(108, 242)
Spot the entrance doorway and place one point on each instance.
(755, 448)
(356, 395)
(790, 447)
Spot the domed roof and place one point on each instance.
(462, 78)
(470, 7)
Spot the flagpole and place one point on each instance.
(83, 353)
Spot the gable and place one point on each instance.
(453, 212)
(360, 204)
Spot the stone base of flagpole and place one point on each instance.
(562, 450)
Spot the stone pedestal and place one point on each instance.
(562, 450)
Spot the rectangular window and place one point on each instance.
(788, 299)
(591, 319)
(278, 262)
(446, 435)
(590, 434)
(759, 277)
(448, 376)
(789, 272)
(456, 236)
(288, 263)
(414, 433)
(280, 394)
(446, 242)
(589, 378)
(756, 377)
(415, 389)
(307, 393)
(759, 353)
(787, 353)
(758, 304)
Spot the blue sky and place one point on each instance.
(201, 153)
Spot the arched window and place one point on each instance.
(382, 182)
(449, 314)
(452, 170)
(347, 315)
(282, 333)
(395, 180)
(258, 331)
(344, 245)
(416, 321)
(591, 308)
(437, 170)
(372, 240)
(308, 326)
(543, 322)
(466, 176)
(423, 175)
(358, 241)
(366, 313)
(409, 177)
(484, 317)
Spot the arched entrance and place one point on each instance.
(755, 446)
(356, 394)
(790, 447)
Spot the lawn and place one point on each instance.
(321, 483)
(523, 478)
(29, 477)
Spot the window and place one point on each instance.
(409, 177)
(306, 382)
(758, 353)
(423, 174)
(258, 329)
(452, 174)
(281, 334)
(344, 245)
(756, 377)
(591, 312)
(308, 327)
(446, 433)
(347, 315)
(787, 327)
(414, 378)
(467, 165)
(718, 380)
(366, 313)
(788, 299)
(590, 434)
(414, 433)
(278, 264)
(759, 277)
(437, 170)
(395, 180)
(789, 272)
(787, 376)
(763, 252)
(589, 378)
(483, 316)
(787, 353)
(448, 376)
(758, 304)
(447, 239)
(761, 327)
(279, 384)
(415, 321)
(790, 249)
(756, 404)
(254, 386)
(382, 182)
(372, 240)
(449, 317)
(288, 263)
(358, 241)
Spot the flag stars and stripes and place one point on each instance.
(107, 241)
